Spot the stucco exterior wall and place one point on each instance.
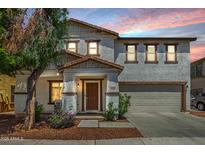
(42, 92)
(155, 72)
(82, 33)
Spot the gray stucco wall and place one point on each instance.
(82, 33)
(155, 72)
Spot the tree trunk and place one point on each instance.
(30, 102)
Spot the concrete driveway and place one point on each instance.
(168, 124)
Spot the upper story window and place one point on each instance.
(151, 56)
(72, 46)
(171, 54)
(131, 53)
(93, 47)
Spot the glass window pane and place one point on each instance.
(151, 57)
(171, 57)
(131, 49)
(93, 51)
(71, 45)
(151, 49)
(171, 49)
(131, 57)
(55, 84)
(93, 45)
(56, 91)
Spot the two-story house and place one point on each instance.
(198, 77)
(100, 64)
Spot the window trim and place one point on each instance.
(98, 47)
(126, 53)
(72, 41)
(156, 49)
(166, 55)
(50, 89)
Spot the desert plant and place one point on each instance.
(61, 120)
(111, 113)
(124, 102)
(38, 111)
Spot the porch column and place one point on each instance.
(112, 92)
(69, 98)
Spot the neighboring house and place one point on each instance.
(100, 64)
(198, 77)
(7, 87)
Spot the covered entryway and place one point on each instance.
(90, 84)
(154, 97)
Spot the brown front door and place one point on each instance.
(91, 96)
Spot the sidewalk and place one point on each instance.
(128, 141)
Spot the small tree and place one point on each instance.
(31, 44)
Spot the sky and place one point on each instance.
(151, 23)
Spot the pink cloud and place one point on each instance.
(197, 52)
(141, 20)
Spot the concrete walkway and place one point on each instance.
(128, 141)
(104, 124)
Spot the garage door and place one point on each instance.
(153, 98)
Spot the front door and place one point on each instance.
(92, 96)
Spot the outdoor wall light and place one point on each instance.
(78, 85)
(57, 74)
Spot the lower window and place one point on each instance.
(55, 89)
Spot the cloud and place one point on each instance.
(197, 52)
(152, 19)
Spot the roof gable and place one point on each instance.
(98, 28)
(92, 61)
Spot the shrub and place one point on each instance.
(124, 102)
(61, 120)
(111, 113)
(57, 106)
(38, 111)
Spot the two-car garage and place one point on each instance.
(154, 97)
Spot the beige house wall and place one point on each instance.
(5, 86)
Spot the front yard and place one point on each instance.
(10, 127)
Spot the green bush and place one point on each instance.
(111, 113)
(61, 120)
(38, 111)
(124, 102)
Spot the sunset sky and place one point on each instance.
(151, 22)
